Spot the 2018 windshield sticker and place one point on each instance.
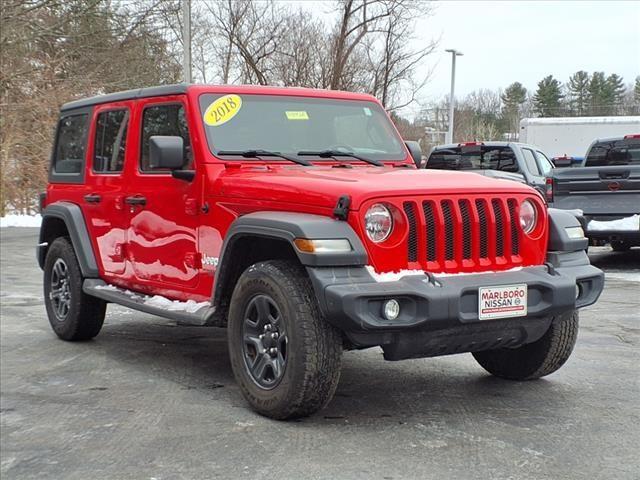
(297, 115)
(222, 110)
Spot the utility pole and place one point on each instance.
(454, 54)
(186, 40)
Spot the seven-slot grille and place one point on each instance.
(448, 233)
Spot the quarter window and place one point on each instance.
(110, 141)
(168, 120)
(530, 160)
(544, 163)
(71, 145)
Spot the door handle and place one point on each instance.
(135, 200)
(92, 198)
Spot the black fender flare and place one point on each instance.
(559, 220)
(288, 226)
(72, 216)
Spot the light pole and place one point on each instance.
(186, 40)
(454, 54)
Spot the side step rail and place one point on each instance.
(98, 288)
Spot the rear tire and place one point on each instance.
(620, 246)
(285, 357)
(537, 359)
(73, 314)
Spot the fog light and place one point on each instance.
(578, 290)
(391, 309)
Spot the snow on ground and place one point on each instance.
(627, 224)
(14, 220)
(626, 276)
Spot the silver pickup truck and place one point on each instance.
(606, 188)
(504, 160)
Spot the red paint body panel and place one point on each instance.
(159, 248)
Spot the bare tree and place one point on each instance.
(251, 30)
(392, 61)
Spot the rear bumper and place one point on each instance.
(614, 233)
(439, 315)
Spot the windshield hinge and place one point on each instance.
(342, 208)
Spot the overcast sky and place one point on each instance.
(507, 41)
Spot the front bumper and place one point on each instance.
(432, 307)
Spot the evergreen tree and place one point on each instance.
(598, 94)
(615, 90)
(579, 92)
(512, 99)
(636, 90)
(548, 97)
(514, 96)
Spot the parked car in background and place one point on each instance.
(505, 160)
(606, 189)
(571, 136)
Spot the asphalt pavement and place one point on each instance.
(151, 400)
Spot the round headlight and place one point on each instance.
(528, 216)
(378, 223)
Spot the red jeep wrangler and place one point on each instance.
(297, 218)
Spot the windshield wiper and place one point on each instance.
(263, 153)
(340, 153)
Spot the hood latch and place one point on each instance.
(341, 211)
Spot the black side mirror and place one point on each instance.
(166, 152)
(415, 151)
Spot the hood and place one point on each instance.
(321, 186)
(516, 177)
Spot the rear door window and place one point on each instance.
(110, 141)
(530, 161)
(70, 148)
(544, 163)
(474, 158)
(617, 152)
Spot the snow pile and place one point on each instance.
(395, 276)
(110, 288)
(391, 276)
(14, 220)
(190, 306)
(627, 224)
(158, 301)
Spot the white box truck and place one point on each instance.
(571, 136)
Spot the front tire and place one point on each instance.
(285, 357)
(73, 314)
(537, 359)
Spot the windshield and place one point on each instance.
(290, 125)
(619, 152)
(473, 158)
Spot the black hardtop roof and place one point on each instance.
(175, 89)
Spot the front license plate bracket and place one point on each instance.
(504, 301)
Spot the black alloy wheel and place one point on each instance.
(265, 342)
